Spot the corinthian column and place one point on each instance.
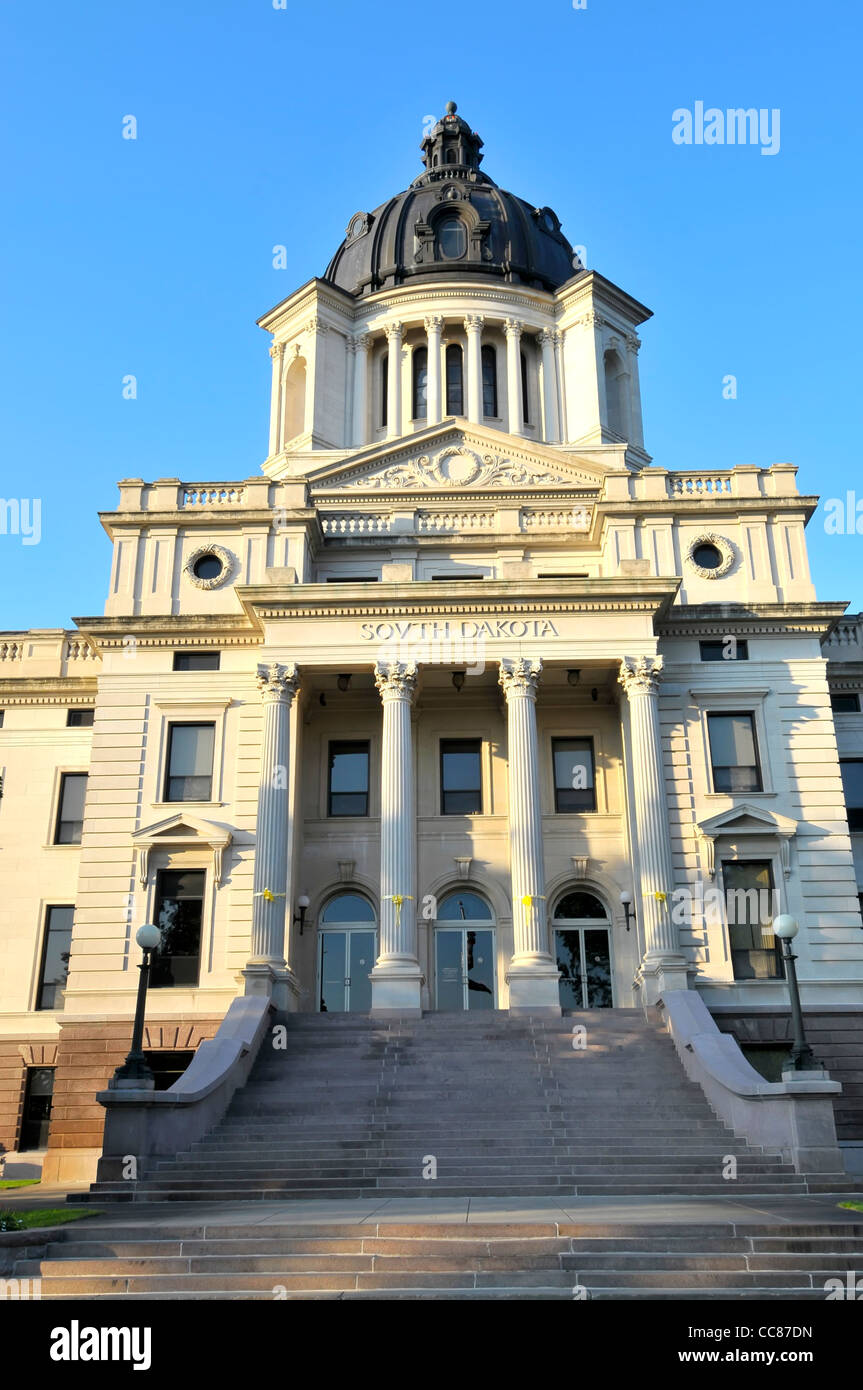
(532, 974)
(549, 386)
(473, 328)
(278, 686)
(396, 977)
(663, 966)
(394, 379)
(359, 420)
(513, 330)
(434, 325)
(277, 353)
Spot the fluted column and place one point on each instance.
(396, 977)
(277, 354)
(359, 423)
(394, 379)
(549, 386)
(513, 330)
(473, 365)
(278, 686)
(560, 368)
(663, 965)
(532, 974)
(434, 327)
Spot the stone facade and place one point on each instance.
(402, 576)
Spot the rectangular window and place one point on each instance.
(196, 661)
(734, 753)
(852, 782)
(54, 969)
(2, 717)
(179, 912)
(190, 762)
(352, 579)
(70, 816)
(574, 783)
(36, 1119)
(573, 575)
(755, 952)
(725, 649)
(842, 703)
(79, 718)
(461, 776)
(460, 575)
(348, 785)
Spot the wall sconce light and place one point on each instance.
(300, 914)
(573, 677)
(626, 904)
(458, 679)
(344, 682)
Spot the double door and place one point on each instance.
(464, 967)
(584, 960)
(346, 956)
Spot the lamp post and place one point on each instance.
(802, 1056)
(626, 904)
(135, 1073)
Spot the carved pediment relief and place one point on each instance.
(459, 467)
(742, 821)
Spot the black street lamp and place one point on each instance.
(135, 1073)
(626, 904)
(802, 1056)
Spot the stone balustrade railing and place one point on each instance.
(11, 650)
(700, 484)
(356, 524)
(211, 494)
(558, 518)
(455, 521)
(847, 633)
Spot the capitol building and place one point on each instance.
(456, 702)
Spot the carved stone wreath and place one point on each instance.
(219, 579)
(725, 548)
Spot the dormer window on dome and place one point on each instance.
(451, 241)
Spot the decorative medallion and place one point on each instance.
(204, 575)
(726, 553)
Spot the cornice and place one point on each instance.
(47, 690)
(765, 619)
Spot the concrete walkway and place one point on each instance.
(451, 1210)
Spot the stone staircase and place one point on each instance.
(467, 1105)
(438, 1261)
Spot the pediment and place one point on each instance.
(747, 819)
(182, 831)
(455, 460)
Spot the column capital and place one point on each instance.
(520, 676)
(396, 680)
(640, 675)
(278, 683)
(317, 325)
(361, 343)
(545, 337)
(433, 323)
(277, 350)
(513, 328)
(473, 323)
(394, 331)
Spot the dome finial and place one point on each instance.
(451, 108)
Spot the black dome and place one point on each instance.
(452, 222)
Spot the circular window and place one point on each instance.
(209, 566)
(451, 238)
(710, 556)
(548, 221)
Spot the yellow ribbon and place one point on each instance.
(268, 896)
(660, 897)
(529, 899)
(397, 899)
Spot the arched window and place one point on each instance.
(576, 906)
(525, 394)
(295, 399)
(451, 239)
(615, 394)
(489, 380)
(464, 907)
(385, 374)
(347, 908)
(420, 364)
(450, 157)
(454, 382)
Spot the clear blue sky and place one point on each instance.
(259, 126)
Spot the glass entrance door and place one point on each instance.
(584, 960)
(346, 960)
(464, 968)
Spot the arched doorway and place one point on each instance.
(582, 941)
(347, 949)
(465, 957)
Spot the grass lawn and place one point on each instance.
(18, 1182)
(852, 1206)
(44, 1216)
